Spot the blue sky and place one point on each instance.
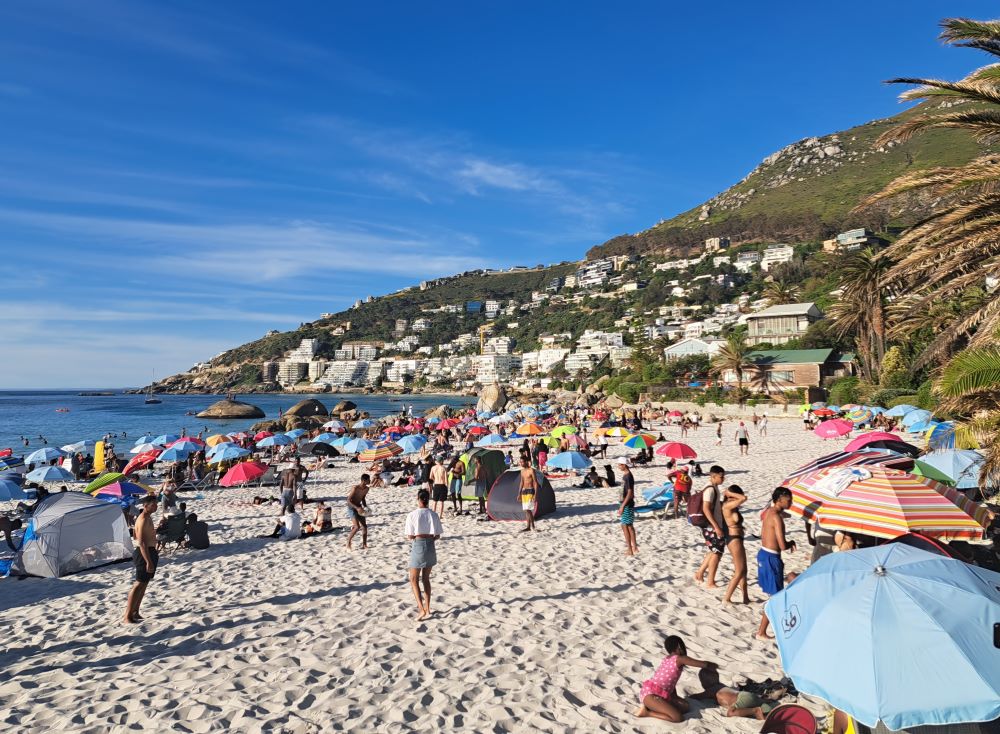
(179, 177)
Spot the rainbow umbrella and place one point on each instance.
(851, 458)
(859, 415)
(247, 471)
(676, 450)
(886, 503)
(640, 441)
(380, 452)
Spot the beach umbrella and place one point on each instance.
(411, 444)
(260, 435)
(338, 442)
(11, 464)
(922, 426)
(563, 431)
(915, 416)
(141, 461)
(818, 405)
(364, 423)
(327, 437)
(493, 439)
(335, 425)
(433, 420)
(576, 441)
(886, 503)
(163, 440)
(850, 406)
(147, 438)
(833, 429)
(640, 441)
(44, 456)
(823, 413)
(552, 443)
(104, 480)
(242, 473)
(11, 490)
(50, 474)
(296, 433)
(175, 453)
(217, 439)
(962, 466)
(897, 446)
(238, 435)
(922, 623)
(856, 444)
(145, 448)
(85, 447)
(528, 429)
(227, 452)
(569, 460)
(446, 424)
(941, 436)
(676, 450)
(189, 442)
(859, 415)
(617, 431)
(357, 445)
(899, 411)
(121, 490)
(921, 469)
(279, 439)
(479, 431)
(852, 458)
(675, 414)
(318, 448)
(380, 452)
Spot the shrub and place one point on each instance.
(629, 391)
(845, 390)
(884, 396)
(903, 400)
(926, 399)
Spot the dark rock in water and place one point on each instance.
(231, 409)
(306, 408)
(342, 407)
(271, 426)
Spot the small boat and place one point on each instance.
(150, 400)
(62, 410)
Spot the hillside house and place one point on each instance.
(779, 324)
(796, 368)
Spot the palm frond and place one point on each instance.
(971, 371)
(968, 33)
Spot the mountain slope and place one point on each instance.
(807, 190)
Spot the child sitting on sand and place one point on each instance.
(659, 693)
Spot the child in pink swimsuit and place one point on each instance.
(659, 693)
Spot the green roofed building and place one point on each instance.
(792, 368)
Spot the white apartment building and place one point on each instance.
(776, 254)
(290, 373)
(693, 330)
(714, 244)
(594, 273)
(304, 352)
(708, 346)
(398, 370)
(492, 308)
(746, 260)
(421, 324)
(619, 356)
(542, 361)
(720, 260)
(498, 345)
(352, 373)
(580, 362)
(316, 368)
(492, 368)
(594, 340)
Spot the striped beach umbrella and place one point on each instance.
(640, 441)
(103, 481)
(857, 416)
(380, 452)
(851, 458)
(886, 503)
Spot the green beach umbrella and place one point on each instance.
(923, 469)
(103, 481)
(563, 430)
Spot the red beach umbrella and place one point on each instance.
(834, 428)
(479, 431)
(141, 461)
(864, 439)
(446, 424)
(242, 473)
(262, 434)
(677, 450)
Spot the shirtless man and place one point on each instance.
(6, 527)
(439, 487)
(144, 557)
(356, 504)
(289, 480)
(770, 568)
(527, 494)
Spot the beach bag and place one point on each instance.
(695, 510)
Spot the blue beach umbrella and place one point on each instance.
(338, 442)
(921, 426)
(296, 433)
(899, 411)
(11, 490)
(962, 465)
(921, 622)
(227, 452)
(915, 416)
(569, 460)
(50, 474)
(941, 436)
(147, 438)
(433, 419)
(411, 444)
(364, 423)
(175, 453)
(334, 424)
(12, 464)
(327, 437)
(165, 439)
(278, 439)
(492, 439)
(43, 456)
(357, 445)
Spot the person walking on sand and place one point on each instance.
(770, 567)
(658, 696)
(289, 480)
(743, 438)
(762, 426)
(423, 527)
(626, 510)
(439, 486)
(527, 492)
(732, 498)
(144, 557)
(357, 502)
(718, 433)
(711, 506)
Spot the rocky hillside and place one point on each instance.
(809, 189)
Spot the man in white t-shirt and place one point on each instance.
(713, 530)
(291, 526)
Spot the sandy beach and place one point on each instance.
(550, 631)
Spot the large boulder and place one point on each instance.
(231, 409)
(614, 402)
(442, 411)
(343, 407)
(307, 408)
(492, 399)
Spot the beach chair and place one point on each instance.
(790, 718)
(174, 533)
(658, 500)
(209, 480)
(269, 478)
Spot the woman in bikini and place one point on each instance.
(732, 498)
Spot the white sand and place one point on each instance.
(549, 632)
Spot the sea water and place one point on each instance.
(64, 416)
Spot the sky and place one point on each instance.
(178, 177)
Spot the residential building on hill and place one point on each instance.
(779, 324)
(714, 244)
(790, 369)
(776, 254)
(746, 260)
(709, 346)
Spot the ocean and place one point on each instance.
(30, 414)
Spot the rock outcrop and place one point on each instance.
(231, 409)
(492, 399)
(342, 407)
(308, 408)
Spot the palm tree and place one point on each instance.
(860, 312)
(779, 292)
(958, 246)
(660, 344)
(970, 390)
(763, 378)
(733, 356)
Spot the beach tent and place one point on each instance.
(71, 532)
(495, 465)
(504, 502)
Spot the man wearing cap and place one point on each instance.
(626, 511)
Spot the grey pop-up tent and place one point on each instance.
(70, 532)
(504, 501)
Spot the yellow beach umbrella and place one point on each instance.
(217, 439)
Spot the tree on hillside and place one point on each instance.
(733, 357)
(780, 292)
(860, 313)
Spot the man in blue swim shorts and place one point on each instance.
(770, 567)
